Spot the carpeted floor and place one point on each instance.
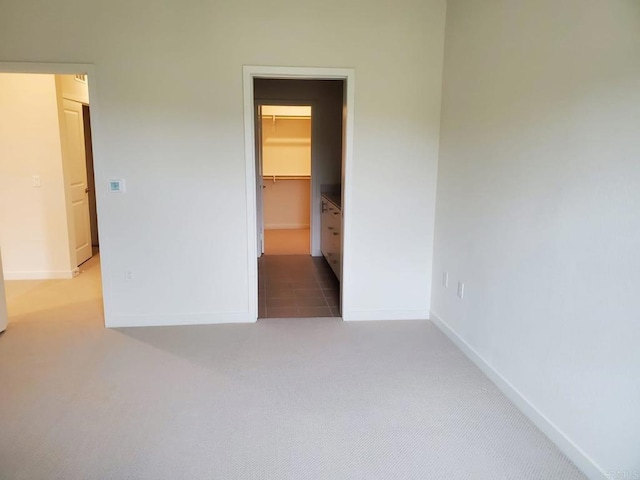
(280, 399)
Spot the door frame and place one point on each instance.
(249, 72)
(314, 194)
(89, 69)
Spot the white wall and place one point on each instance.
(33, 222)
(168, 117)
(538, 211)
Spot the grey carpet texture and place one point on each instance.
(280, 399)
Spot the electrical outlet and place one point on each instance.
(128, 275)
(36, 181)
(445, 279)
(461, 289)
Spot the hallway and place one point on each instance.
(75, 300)
(296, 286)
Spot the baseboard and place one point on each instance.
(166, 320)
(286, 226)
(564, 443)
(39, 275)
(365, 315)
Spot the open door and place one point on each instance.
(75, 162)
(91, 182)
(259, 180)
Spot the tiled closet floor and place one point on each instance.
(296, 286)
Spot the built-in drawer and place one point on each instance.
(331, 239)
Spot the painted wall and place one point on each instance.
(286, 203)
(537, 211)
(33, 222)
(168, 115)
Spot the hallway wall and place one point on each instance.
(33, 220)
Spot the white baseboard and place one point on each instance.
(286, 226)
(42, 275)
(164, 320)
(364, 315)
(564, 443)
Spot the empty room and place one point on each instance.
(484, 254)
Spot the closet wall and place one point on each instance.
(287, 171)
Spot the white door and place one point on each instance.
(76, 176)
(259, 181)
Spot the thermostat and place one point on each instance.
(117, 185)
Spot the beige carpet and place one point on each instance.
(79, 298)
(287, 242)
(288, 399)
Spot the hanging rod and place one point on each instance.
(274, 178)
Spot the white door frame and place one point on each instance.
(250, 72)
(74, 69)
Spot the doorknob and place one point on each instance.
(86, 190)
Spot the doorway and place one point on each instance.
(284, 165)
(49, 248)
(306, 285)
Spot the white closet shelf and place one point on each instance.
(287, 141)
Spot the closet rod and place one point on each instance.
(274, 178)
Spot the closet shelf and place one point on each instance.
(275, 178)
(287, 141)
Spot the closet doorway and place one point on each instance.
(284, 156)
(299, 147)
(323, 272)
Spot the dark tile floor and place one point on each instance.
(296, 286)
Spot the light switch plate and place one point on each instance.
(117, 185)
